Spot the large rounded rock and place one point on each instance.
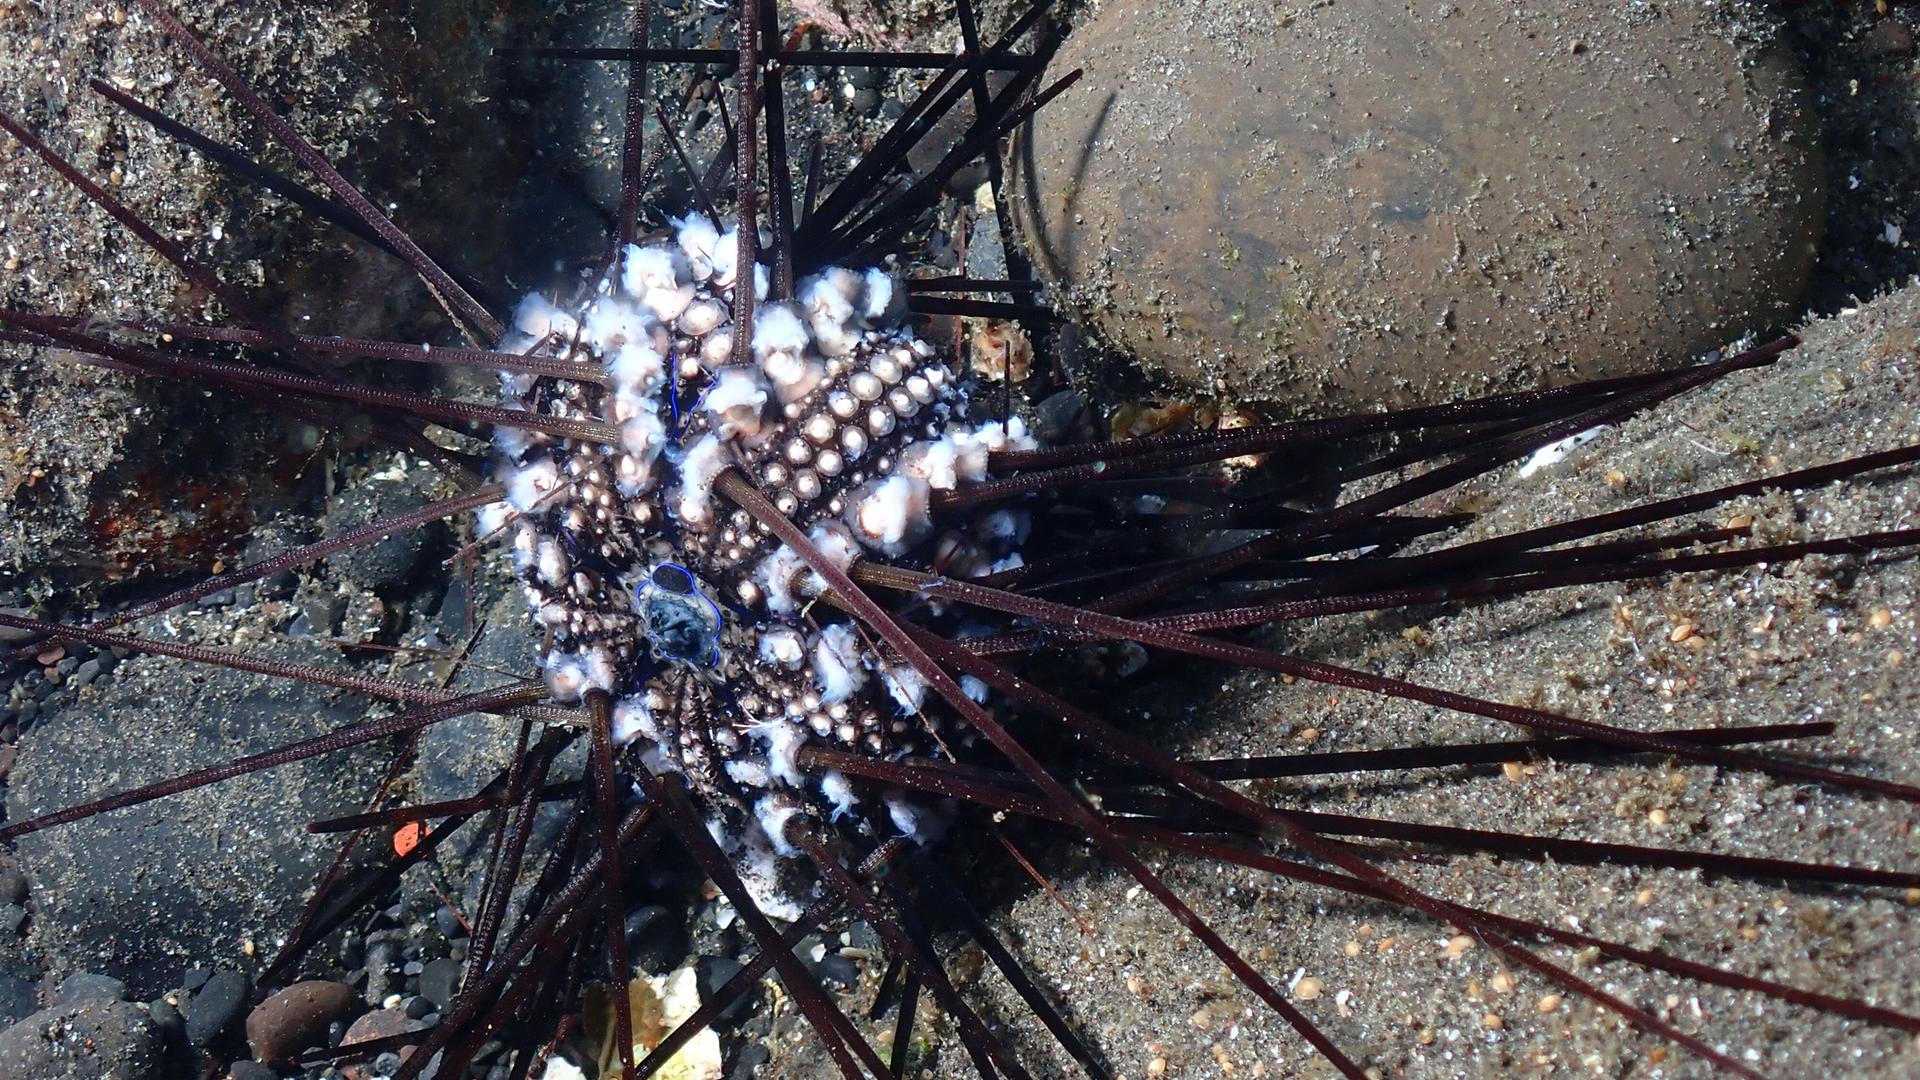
(96, 1039)
(1371, 202)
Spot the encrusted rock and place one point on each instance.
(1358, 204)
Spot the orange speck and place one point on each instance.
(407, 837)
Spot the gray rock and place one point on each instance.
(440, 981)
(90, 1040)
(139, 893)
(17, 999)
(216, 1005)
(87, 986)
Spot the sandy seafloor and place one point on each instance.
(1793, 643)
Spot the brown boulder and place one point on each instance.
(1370, 203)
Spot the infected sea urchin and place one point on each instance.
(805, 587)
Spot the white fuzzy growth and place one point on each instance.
(551, 563)
(783, 647)
(736, 403)
(701, 317)
(612, 322)
(1556, 452)
(878, 306)
(785, 577)
(776, 576)
(837, 663)
(1012, 435)
(638, 369)
(774, 812)
(936, 462)
(531, 483)
(907, 686)
(567, 677)
(699, 239)
(781, 343)
(830, 294)
(794, 375)
(893, 515)
(491, 518)
(632, 720)
(703, 463)
(836, 543)
(839, 792)
(760, 873)
(559, 1068)
(643, 436)
(975, 689)
(783, 741)
(655, 266)
(828, 300)
(748, 773)
(537, 317)
(726, 258)
(1005, 528)
(915, 822)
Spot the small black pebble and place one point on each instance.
(751, 1057)
(216, 1005)
(250, 1070)
(194, 979)
(387, 1064)
(712, 972)
(439, 981)
(837, 971)
(418, 1007)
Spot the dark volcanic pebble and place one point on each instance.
(90, 1040)
(439, 981)
(296, 1018)
(250, 1070)
(86, 986)
(1366, 203)
(17, 999)
(216, 1005)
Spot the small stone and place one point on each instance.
(296, 1018)
(17, 999)
(837, 972)
(86, 986)
(214, 1006)
(714, 971)
(439, 982)
(250, 1070)
(378, 1024)
(1548, 1002)
(656, 939)
(13, 885)
(1308, 988)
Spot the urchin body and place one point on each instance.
(686, 610)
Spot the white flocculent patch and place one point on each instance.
(837, 663)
